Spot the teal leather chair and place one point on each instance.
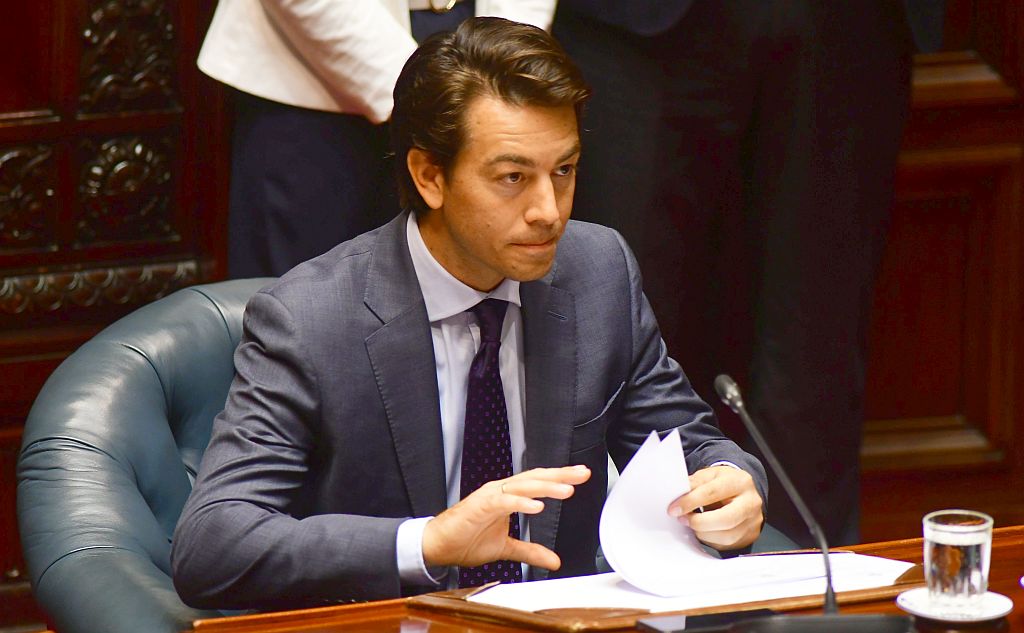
(110, 451)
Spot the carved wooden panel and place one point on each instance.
(113, 189)
(123, 286)
(28, 181)
(127, 56)
(125, 191)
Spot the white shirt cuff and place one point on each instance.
(725, 463)
(409, 547)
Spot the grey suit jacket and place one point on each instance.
(331, 435)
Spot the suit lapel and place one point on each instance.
(549, 326)
(402, 355)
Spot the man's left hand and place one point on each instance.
(733, 513)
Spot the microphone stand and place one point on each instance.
(831, 621)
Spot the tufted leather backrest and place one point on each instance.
(109, 454)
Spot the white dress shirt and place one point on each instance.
(456, 338)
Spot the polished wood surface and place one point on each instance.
(404, 615)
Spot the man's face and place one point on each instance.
(504, 204)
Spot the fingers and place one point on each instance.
(475, 530)
(555, 483)
(507, 496)
(574, 475)
(520, 493)
(530, 553)
(710, 486)
(734, 525)
(732, 516)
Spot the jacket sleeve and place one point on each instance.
(357, 48)
(237, 544)
(658, 396)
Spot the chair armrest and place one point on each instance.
(77, 592)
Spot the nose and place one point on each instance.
(544, 206)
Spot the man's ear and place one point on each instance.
(427, 176)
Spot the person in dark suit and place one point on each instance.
(347, 463)
(746, 150)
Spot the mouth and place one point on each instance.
(538, 246)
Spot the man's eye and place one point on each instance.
(565, 170)
(512, 178)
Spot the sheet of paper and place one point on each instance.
(660, 565)
(850, 572)
(641, 542)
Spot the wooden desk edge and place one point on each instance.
(905, 549)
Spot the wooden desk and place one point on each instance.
(394, 616)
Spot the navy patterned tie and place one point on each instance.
(486, 449)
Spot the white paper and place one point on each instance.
(660, 565)
(850, 572)
(642, 543)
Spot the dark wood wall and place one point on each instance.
(945, 388)
(112, 192)
(113, 174)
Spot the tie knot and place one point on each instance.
(490, 313)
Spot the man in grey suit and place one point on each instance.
(347, 463)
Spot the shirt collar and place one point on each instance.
(443, 294)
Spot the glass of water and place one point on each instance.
(957, 553)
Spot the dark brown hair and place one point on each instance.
(518, 63)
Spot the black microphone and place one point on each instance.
(832, 622)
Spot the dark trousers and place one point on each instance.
(747, 155)
(303, 181)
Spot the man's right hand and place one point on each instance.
(475, 530)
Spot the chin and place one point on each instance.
(529, 273)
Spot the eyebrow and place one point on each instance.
(526, 162)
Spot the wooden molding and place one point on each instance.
(123, 285)
(950, 403)
(960, 78)
(920, 443)
(28, 185)
(128, 51)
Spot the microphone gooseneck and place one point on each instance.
(729, 392)
(831, 621)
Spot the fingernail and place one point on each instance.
(675, 511)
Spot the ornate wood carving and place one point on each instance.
(125, 192)
(88, 230)
(126, 285)
(27, 182)
(127, 57)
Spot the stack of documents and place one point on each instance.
(660, 565)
